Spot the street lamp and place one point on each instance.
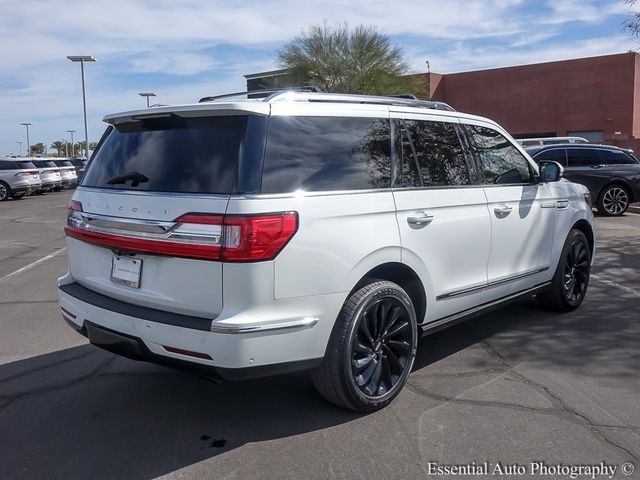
(82, 59)
(27, 125)
(19, 148)
(73, 147)
(147, 94)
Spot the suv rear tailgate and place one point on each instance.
(163, 279)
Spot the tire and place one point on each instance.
(571, 279)
(5, 191)
(18, 196)
(614, 200)
(371, 349)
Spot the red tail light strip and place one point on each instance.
(229, 238)
(143, 245)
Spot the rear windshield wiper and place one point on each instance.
(135, 177)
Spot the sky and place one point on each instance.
(186, 49)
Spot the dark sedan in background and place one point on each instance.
(611, 174)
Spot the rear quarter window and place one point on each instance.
(616, 157)
(326, 153)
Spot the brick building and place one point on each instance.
(597, 98)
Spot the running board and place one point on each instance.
(445, 322)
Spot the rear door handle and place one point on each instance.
(503, 210)
(420, 219)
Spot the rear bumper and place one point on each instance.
(230, 349)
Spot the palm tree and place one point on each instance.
(59, 146)
(343, 60)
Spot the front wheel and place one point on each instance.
(371, 349)
(571, 279)
(614, 201)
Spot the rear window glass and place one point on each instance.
(171, 154)
(26, 165)
(327, 153)
(583, 157)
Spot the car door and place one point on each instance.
(442, 216)
(585, 166)
(522, 213)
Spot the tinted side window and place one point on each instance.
(583, 157)
(326, 153)
(555, 155)
(5, 165)
(500, 161)
(616, 157)
(430, 154)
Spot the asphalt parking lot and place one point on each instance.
(514, 386)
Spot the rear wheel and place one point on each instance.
(571, 279)
(371, 349)
(5, 191)
(614, 200)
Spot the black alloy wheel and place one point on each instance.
(381, 347)
(571, 278)
(371, 348)
(576, 271)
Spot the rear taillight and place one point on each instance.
(26, 173)
(48, 171)
(588, 199)
(229, 238)
(250, 238)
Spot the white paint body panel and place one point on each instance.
(341, 237)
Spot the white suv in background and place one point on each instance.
(312, 231)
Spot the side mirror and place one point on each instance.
(550, 171)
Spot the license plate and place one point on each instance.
(126, 271)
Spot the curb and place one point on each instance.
(634, 208)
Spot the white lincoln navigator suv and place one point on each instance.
(310, 231)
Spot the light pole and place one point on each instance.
(82, 59)
(19, 148)
(27, 125)
(147, 94)
(73, 148)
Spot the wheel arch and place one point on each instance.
(405, 277)
(586, 228)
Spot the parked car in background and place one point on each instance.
(17, 178)
(67, 173)
(611, 174)
(49, 175)
(310, 231)
(81, 166)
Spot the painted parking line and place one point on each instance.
(9, 276)
(624, 288)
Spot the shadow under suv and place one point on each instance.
(611, 174)
(310, 231)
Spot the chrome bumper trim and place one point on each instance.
(306, 322)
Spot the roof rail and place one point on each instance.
(263, 92)
(363, 99)
(530, 142)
